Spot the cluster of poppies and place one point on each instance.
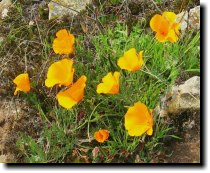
(138, 119)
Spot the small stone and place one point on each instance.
(60, 8)
(31, 23)
(189, 21)
(189, 124)
(182, 18)
(4, 6)
(4, 13)
(194, 18)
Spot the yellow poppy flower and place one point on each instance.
(22, 82)
(61, 73)
(138, 120)
(72, 95)
(64, 43)
(165, 27)
(101, 135)
(110, 84)
(131, 61)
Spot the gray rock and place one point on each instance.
(189, 21)
(182, 18)
(182, 98)
(60, 8)
(194, 18)
(4, 6)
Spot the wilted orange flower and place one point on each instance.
(101, 135)
(138, 120)
(72, 95)
(22, 82)
(61, 73)
(165, 27)
(131, 61)
(110, 84)
(64, 43)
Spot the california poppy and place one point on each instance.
(61, 73)
(138, 120)
(131, 61)
(101, 135)
(110, 84)
(22, 82)
(165, 27)
(64, 43)
(73, 94)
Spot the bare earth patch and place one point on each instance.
(186, 152)
(15, 117)
(7, 120)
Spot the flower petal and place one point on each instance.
(172, 36)
(64, 43)
(140, 58)
(176, 27)
(60, 72)
(138, 130)
(150, 131)
(110, 84)
(136, 115)
(171, 16)
(160, 37)
(155, 22)
(22, 82)
(129, 61)
(138, 120)
(116, 86)
(98, 136)
(165, 27)
(77, 89)
(73, 95)
(101, 135)
(65, 100)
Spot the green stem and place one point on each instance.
(90, 119)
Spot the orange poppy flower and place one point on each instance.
(138, 120)
(131, 61)
(61, 73)
(72, 95)
(64, 43)
(22, 82)
(165, 27)
(110, 84)
(101, 135)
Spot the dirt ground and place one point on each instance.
(186, 152)
(7, 120)
(15, 117)
(187, 149)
